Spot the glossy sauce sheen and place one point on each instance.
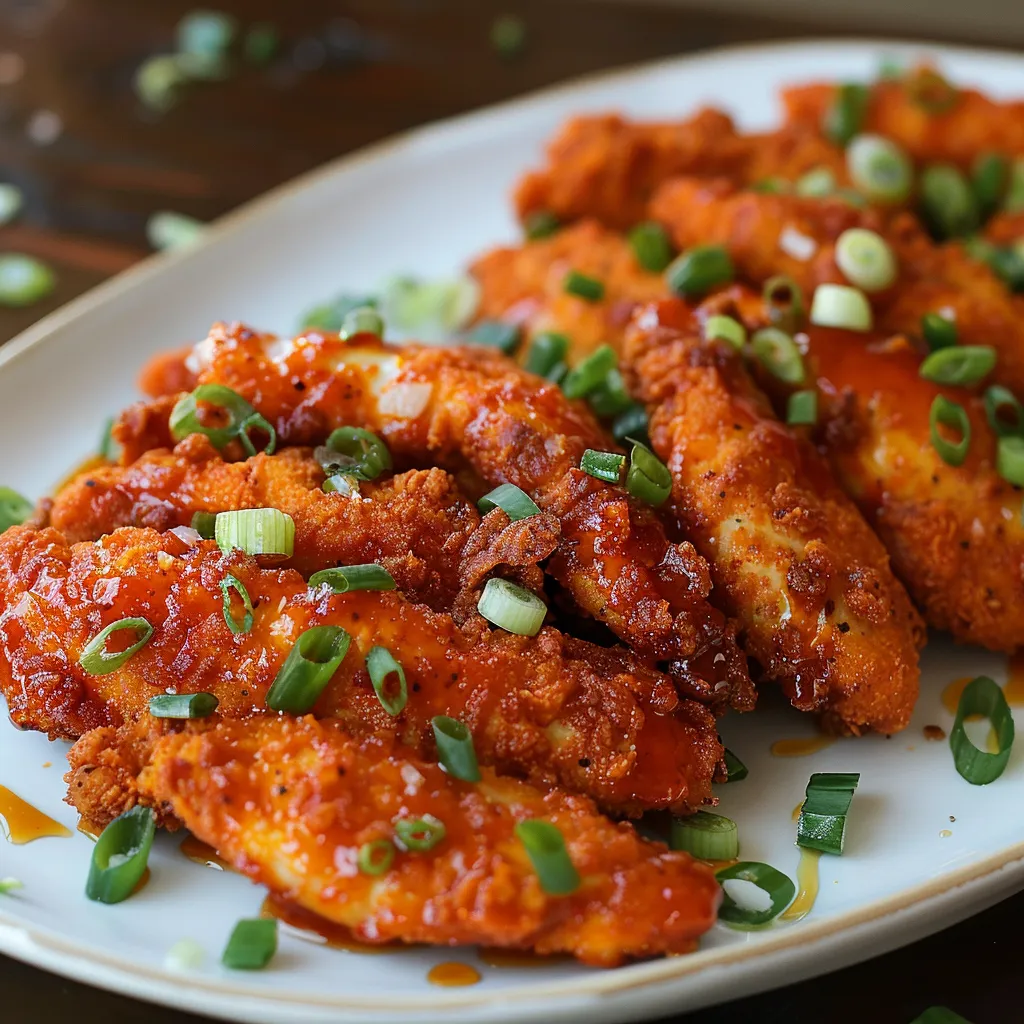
(202, 853)
(25, 822)
(313, 928)
(453, 975)
(807, 886)
(800, 747)
(517, 958)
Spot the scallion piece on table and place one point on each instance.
(982, 697)
(725, 328)
(939, 1015)
(260, 43)
(605, 466)
(256, 531)
(420, 834)
(651, 246)
(236, 625)
(817, 183)
(777, 352)
(508, 35)
(546, 351)
(959, 364)
(241, 418)
(545, 846)
(706, 836)
(587, 375)
(512, 500)
(735, 769)
(314, 658)
(540, 224)
(610, 397)
(512, 607)
(183, 705)
(24, 280)
(699, 270)
(205, 524)
(207, 33)
(784, 303)
(14, 508)
(802, 408)
(167, 230)
(98, 661)
(583, 286)
(865, 259)
(879, 169)
(499, 334)
(374, 858)
(947, 202)
(353, 451)
(838, 305)
(362, 320)
(990, 177)
(822, 824)
(11, 201)
(648, 478)
(1010, 460)
(953, 416)
(455, 748)
(120, 855)
(252, 944)
(938, 331)
(630, 423)
(743, 905)
(1005, 413)
(845, 115)
(383, 668)
(344, 578)
(9, 885)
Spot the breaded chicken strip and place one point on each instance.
(471, 408)
(549, 708)
(802, 572)
(292, 802)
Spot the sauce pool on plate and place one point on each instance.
(26, 823)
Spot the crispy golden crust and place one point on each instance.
(290, 803)
(548, 708)
(802, 572)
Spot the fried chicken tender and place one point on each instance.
(290, 803)
(801, 571)
(606, 167)
(471, 408)
(549, 708)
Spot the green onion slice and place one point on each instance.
(699, 270)
(982, 697)
(816, 183)
(497, 334)
(777, 352)
(236, 626)
(725, 328)
(930, 91)
(545, 846)
(455, 748)
(583, 286)
(420, 834)
(631, 423)
(252, 944)
(24, 280)
(609, 397)
(382, 665)
(120, 855)
(879, 169)
(705, 835)
(376, 857)
(167, 230)
(952, 415)
(837, 305)
(353, 451)
(205, 524)
(11, 201)
(512, 607)
(648, 477)
(433, 310)
(540, 224)
(802, 409)
(1010, 460)
(822, 824)
(256, 531)
(362, 320)
(1014, 201)
(771, 186)
(331, 315)
(742, 906)
(512, 500)
(14, 508)
(587, 375)
(241, 418)
(844, 117)
(344, 578)
(734, 767)
(98, 661)
(1005, 414)
(784, 303)
(316, 655)
(939, 331)
(183, 705)
(605, 466)
(947, 202)
(990, 177)
(9, 885)
(546, 351)
(959, 364)
(109, 449)
(651, 246)
(865, 259)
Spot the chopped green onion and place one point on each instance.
(585, 376)
(745, 908)
(651, 246)
(725, 328)
(98, 661)
(822, 824)
(9, 885)
(777, 352)
(982, 697)
(698, 270)
(939, 332)
(1005, 414)
(167, 230)
(1014, 201)
(260, 43)
(545, 846)
(990, 176)
(610, 397)
(802, 409)
(589, 288)
(331, 316)
(14, 508)
(844, 117)
(557, 373)
(959, 364)
(512, 607)
(183, 705)
(228, 584)
(364, 320)
(158, 81)
(949, 414)
(879, 169)
(455, 748)
(546, 351)
(242, 418)
(434, 310)
(256, 531)
(109, 449)
(252, 944)
(735, 769)
(375, 858)
(420, 834)
(540, 224)
(939, 1015)
(816, 183)
(838, 305)
(508, 35)
(11, 201)
(631, 423)
(208, 33)
(205, 524)
(930, 91)
(771, 186)
(947, 202)
(784, 302)
(706, 836)
(341, 484)
(865, 259)
(353, 451)
(1010, 460)
(496, 334)
(120, 855)
(314, 658)
(1007, 263)
(512, 500)
(381, 665)
(344, 578)
(648, 477)
(605, 466)
(24, 280)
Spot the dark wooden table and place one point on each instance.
(94, 163)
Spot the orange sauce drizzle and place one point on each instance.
(801, 747)
(88, 829)
(202, 853)
(795, 816)
(807, 882)
(952, 693)
(1013, 691)
(25, 822)
(310, 927)
(453, 975)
